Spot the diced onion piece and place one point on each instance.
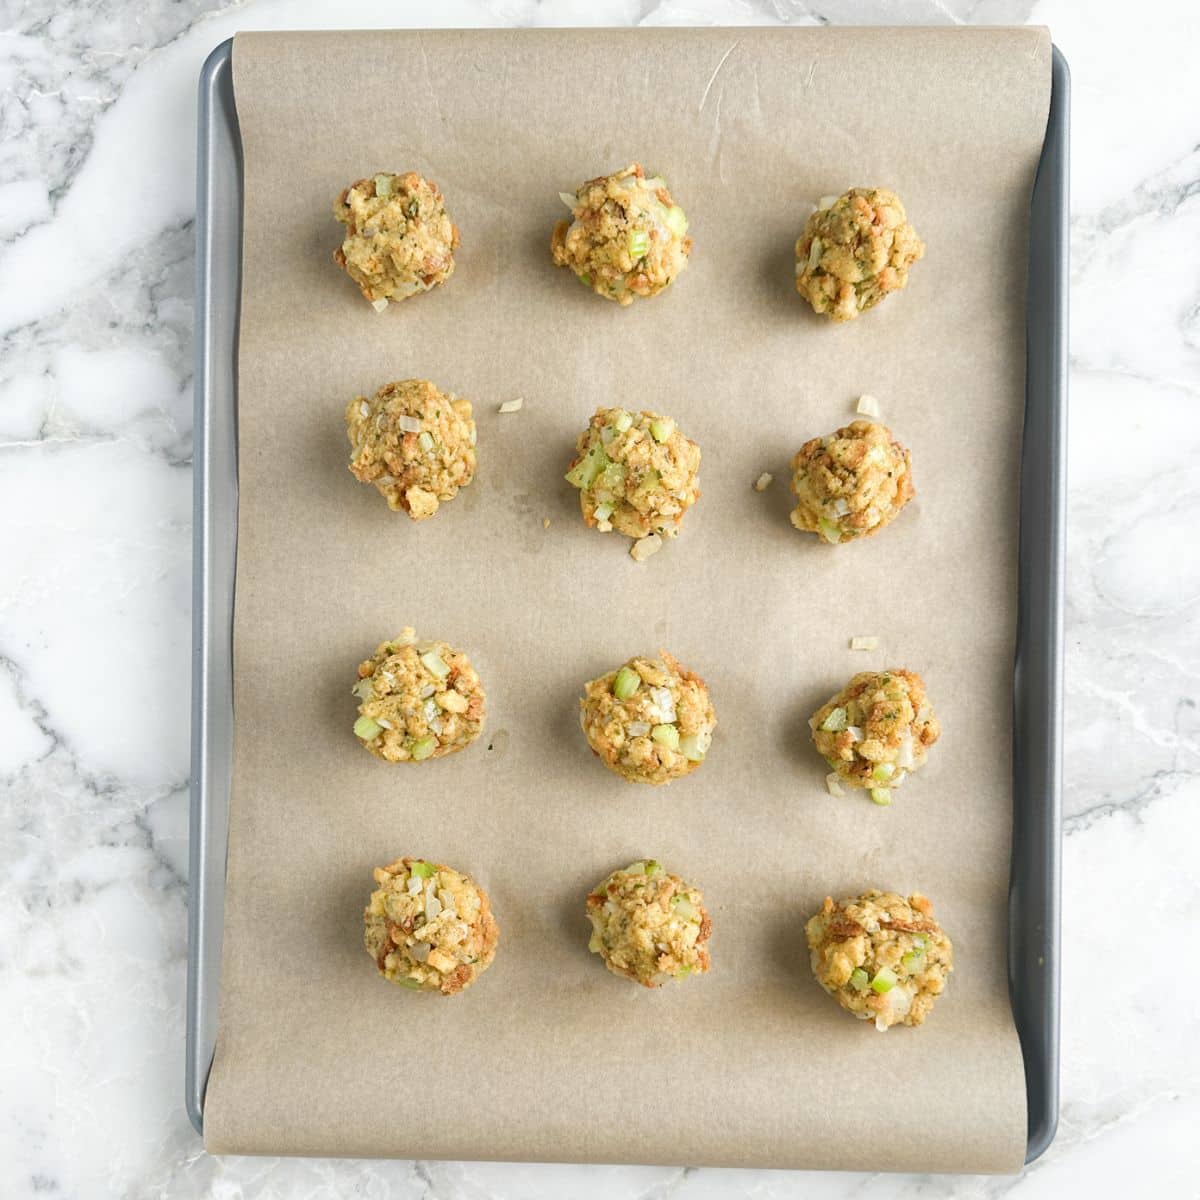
(654, 183)
(662, 428)
(833, 784)
(512, 406)
(864, 643)
(885, 979)
(637, 868)
(826, 202)
(859, 979)
(764, 481)
(423, 869)
(905, 759)
(685, 908)
(637, 728)
(383, 186)
(883, 772)
(622, 420)
(408, 423)
(367, 729)
(881, 796)
(814, 254)
(639, 243)
(665, 735)
(433, 663)
(856, 734)
(568, 199)
(841, 508)
(603, 512)
(914, 962)
(453, 701)
(694, 746)
(364, 408)
(380, 304)
(676, 220)
(383, 722)
(425, 441)
(626, 683)
(643, 548)
(420, 951)
(431, 710)
(422, 748)
(868, 406)
(835, 722)
(364, 689)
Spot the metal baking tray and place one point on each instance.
(1034, 883)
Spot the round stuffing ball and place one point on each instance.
(399, 238)
(649, 925)
(636, 473)
(416, 444)
(855, 249)
(417, 700)
(650, 721)
(429, 927)
(627, 237)
(876, 730)
(852, 483)
(883, 958)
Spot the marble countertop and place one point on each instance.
(97, 102)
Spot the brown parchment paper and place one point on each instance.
(549, 1056)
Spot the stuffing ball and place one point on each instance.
(414, 443)
(636, 473)
(881, 957)
(855, 249)
(399, 239)
(627, 238)
(648, 925)
(417, 700)
(428, 927)
(851, 483)
(651, 721)
(876, 730)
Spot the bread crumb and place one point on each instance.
(764, 481)
(644, 547)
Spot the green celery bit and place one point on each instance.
(367, 729)
(884, 981)
(423, 869)
(665, 735)
(639, 243)
(653, 866)
(835, 722)
(914, 962)
(422, 748)
(683, 972)
(383, 186)
(883, 772)
(662, 429)
(626, 683)
(829, 531)
(411, 984)
(881, 796)
(622, 420)
(859, 979)
(583, 473)
(585, 279)
(676, 220)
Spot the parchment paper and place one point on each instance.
(549, 1056)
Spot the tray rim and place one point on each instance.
(1035, 868)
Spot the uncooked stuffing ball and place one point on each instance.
(648, 925)
(415, 443)
(627, 237)
(428, 927)
(399, 239)
(876, 730)
(636, 473)
(883, 958)
(855, 249)
(851, 483)
(651, 721)
(417, 700)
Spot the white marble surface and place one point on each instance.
(96, 205)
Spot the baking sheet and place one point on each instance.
(769, 1071)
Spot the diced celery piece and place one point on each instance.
(885, 979)
(639, 243)
(367, 729)
(694, 746)
(423, 869)
(433, 663)
(914, 962)
(383, 186)
(881, 796)
(603, 512)
(835, 722)
(626, 683)
(676, 220)
(859, 979)
(612, 478)
(683, 972)
(583, 473)
(653, 866)
(637, 868)
(829, 531)
(662, 429)
(425, 441)
(622, 420)
(585, 279)
(883, 772)
(422, 748)
(665, 735)
(411, 984)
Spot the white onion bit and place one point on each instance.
(637, 728)
(764, 481)
(512, 406)
(864, 643)
(379, 305)
(833, 785)
(868, 406)
(409, 424)
(856, 734)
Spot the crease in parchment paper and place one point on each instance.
(548, 1056)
